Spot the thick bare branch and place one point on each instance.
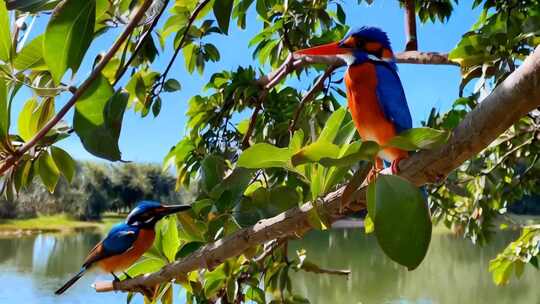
(410, 26)
(13, 158)
(512, 99)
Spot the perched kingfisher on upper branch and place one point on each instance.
(375, 95)
(126, 242)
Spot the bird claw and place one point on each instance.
(116, 279)
(394, 167)
(372, 175)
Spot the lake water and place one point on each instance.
(455, 271)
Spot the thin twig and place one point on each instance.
(12, 159)
(158, 86)
(140, 44)
(310, 95)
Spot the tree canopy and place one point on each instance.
(296, 161)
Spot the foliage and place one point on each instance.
(94, 188)
(243, 170)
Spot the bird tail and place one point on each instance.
(71, 281)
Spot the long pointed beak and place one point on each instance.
(170, 209)
(329, 49)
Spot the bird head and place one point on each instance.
(148, 213)
(358, 46)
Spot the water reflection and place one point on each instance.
(454, 271)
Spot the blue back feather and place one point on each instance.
(120, 239)
(392, 97)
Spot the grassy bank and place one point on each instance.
(54, 223)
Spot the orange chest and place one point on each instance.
(366, 111)
(144, 241)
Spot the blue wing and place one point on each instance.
(392, 97)
(119, 240)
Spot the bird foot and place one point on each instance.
(116, 279)
(394, 167)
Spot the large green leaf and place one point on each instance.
(4, 111)
(31, 56)
(169, 236)
(48, 171)
(68, 36)
(145, 266)
(264, 155)
(419, 138)
(5, 34)
(64, 162)
(222, 11)
(213, 168)
(98, 119)
(315, 152)
(333, 125)
(401, 218)
(34, 116)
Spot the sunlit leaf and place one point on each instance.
(48, 171)
(98, 119)
(264, 155)
(31, 56)
(68, 36)
(64, 162)
(5, 34)
(419, 138)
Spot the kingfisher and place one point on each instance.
(375, 95)
(127, 241)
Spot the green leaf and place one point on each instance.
(4, 111)
(340, 14)
(31, 56)
(264, 155)
(315, 152)
(419, 138)
(98, 119)
(222, 11)
(25, 123)
(193, 229)
(402, 220)
(48, 171)
(172, 85)
(256, 294)
(169, 236)
(332, 125)
(68, 36)
(213, 169)
(156, 107)
(145, 266)
(64, 162)
(5, 34)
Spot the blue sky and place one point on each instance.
(149, 139)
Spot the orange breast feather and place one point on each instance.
(367, 114)
(121, 262)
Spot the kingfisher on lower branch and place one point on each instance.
(375, 95)
(127, 241)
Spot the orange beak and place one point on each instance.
(330, 49)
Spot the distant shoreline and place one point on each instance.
(60, 223)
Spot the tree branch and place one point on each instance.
(410, 26)
(161, 82)
(513, 98)
(13, 158)
(140, 44)
(317, 87)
